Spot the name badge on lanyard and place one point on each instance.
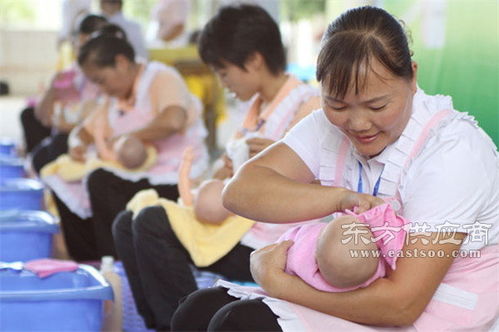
(360, 184)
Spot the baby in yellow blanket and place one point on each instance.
(207, 201)
(129, 154)
(130, 151)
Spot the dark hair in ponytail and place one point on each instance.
(356, 39)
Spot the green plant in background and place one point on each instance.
(15, 11)
(466, 65)
(295, 10)
(139, 10)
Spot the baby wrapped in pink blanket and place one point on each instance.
(350, 252)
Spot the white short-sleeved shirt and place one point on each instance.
(452, 184)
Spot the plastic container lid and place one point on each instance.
(7, 146)
(19, 220)
(21, 185)
(8, 160)
(96, 286)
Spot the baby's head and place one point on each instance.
(333, 253)
(130, 151)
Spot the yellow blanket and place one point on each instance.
(71, 170)
(205, 243)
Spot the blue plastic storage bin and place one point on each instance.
(26, 235)
(21, 194)
(65, 301)
(7, 147)
(11, 168)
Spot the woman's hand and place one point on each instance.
(357, 202)
(78, 152)
(78, 142)
(226, 170)
(258, 144)
(267, 263)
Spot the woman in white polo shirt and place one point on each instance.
(379, 134)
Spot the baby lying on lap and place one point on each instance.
(128, 153)
(322, 254)
(207, 200)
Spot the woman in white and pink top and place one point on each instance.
(380, 135)
(149, 101)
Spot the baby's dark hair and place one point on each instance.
(237, 32)
(103, 48)
(353, 41)
(91, 23)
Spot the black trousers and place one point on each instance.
(48, 150)
(158, 266)
(34, 131)
(90, 239)
(213, 309)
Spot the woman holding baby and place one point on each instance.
(136, 135)
(379, 134)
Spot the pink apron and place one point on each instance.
(123, 119)
(467, 298)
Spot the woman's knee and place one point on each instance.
(197, 309)
(242, 316)
(27, 115)
(122, 224)
(151, 219)
(97, 179)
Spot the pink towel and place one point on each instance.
(46, 266)
(387, 228)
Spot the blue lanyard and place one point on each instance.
(360, 184)
(259, 125)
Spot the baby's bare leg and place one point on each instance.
(208, 206)
(184, 182)
(337, 245)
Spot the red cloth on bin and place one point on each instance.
(47, 266)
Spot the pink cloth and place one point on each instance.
(46, 267)
(389, 230)
(389, 234)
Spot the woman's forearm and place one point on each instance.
(170, 121)
(79, 136)
(277, 198)
(395, 300)
(377, 305)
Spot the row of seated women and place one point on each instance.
(370, 162)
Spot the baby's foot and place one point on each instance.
(184, 182)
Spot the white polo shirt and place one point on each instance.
(452, 184)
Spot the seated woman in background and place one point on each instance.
(377, 133)
(147, 101)
(69, 98)
(158, 244)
